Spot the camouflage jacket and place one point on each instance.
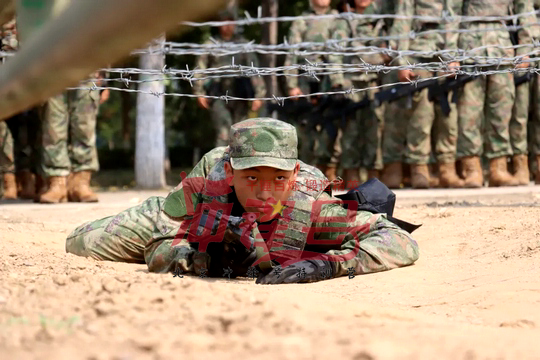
(8, 36)
(496, 40)
(428, 42)
(318, 31)
(219, 87)
(365, 29)
(362, 241)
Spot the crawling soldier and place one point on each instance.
(251, 205)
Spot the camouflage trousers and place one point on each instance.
(534, 123)
(485, 108)
(123, 237)
(361, 142)
(396, 118)
(427, 120)
(69, 133)
(224, 115)
(518, 122)
(26, 131)
(7, 158)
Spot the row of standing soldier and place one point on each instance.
(48, 152)
(489, 120)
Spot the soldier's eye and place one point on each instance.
(252, 178)
(280, 178)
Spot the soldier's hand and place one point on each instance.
(104, 96)
(300, 272)
(453, 66)
(523, 65)
(406, 75)
(256, 105)
(295, 92)
(203, 102)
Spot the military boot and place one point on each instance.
(331, 172)
(56, 191)
(10, 187)
(392, 175)
(521, 169)
(537, 179)
(79, 188)
(472, 172)
(420, 178)
(26, 183)
(41, 187)
(448, 177)
(373, 174)
(498, 173)
(351, 177)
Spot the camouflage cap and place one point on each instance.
(263, 142)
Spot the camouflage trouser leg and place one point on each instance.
(518, 122)
(123, 237)
(222, 120)
(26, 131)
(328, 143)
(486, 99)
(379, 114)
(306, 141)
(419, 129)
(7, 159)
(55, 122)
(83, 108)
(362, 135)
(445, 132)
(396, 117)
(534, 125)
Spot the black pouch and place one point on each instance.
(377, 198)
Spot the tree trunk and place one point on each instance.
(150, 128)
(269, 37)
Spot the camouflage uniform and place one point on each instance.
(362, 136)
(71, 115)
(426, 117)
(146, 233)
(313, 140)
(225, 114)
(486, 103)
(7, 158)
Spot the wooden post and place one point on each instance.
(150, 128)
(269, 37)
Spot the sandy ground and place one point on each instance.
(474, 293)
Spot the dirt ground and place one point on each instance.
(473, 294)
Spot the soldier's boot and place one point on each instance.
(448, 176)
(331, 172)
(351, 177)
(27, 185)
(79, 188)
(537, 179)
(373, 174)
(420, 178)
(498, 173)
(521, 169)
(41, 187)
(392, 175)
(472, 172)
(56, 191)
(10, 187)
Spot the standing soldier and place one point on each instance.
(317, 31)
(225, 114)
(425, 115)
(362, 134)
(7, 159)
(534, 125)
(489, 99)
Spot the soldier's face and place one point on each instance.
(258, 188)
(362, 3)
(226, 31)
(321, 3)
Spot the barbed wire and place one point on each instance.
(281, 99)
(230, 48)
(445, 18)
